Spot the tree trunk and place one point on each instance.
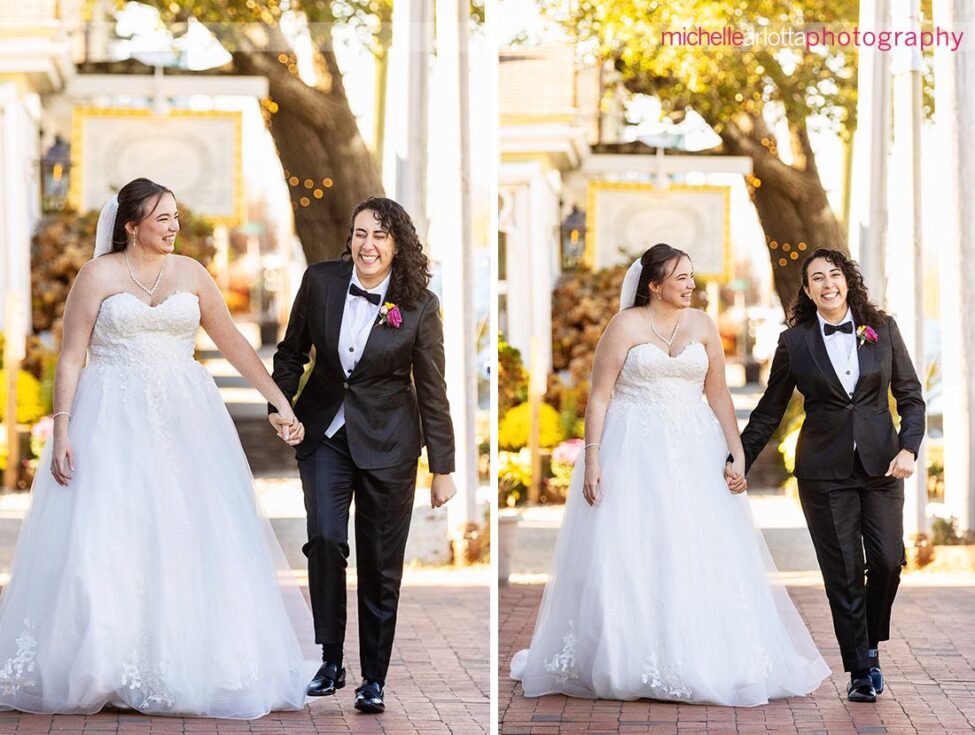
(791, 202)
(328, 165)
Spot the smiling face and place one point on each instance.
(373, 249)
(156, 232)
(678, 287)
(826, 287)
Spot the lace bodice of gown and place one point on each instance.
(130, 333)
(651, 376)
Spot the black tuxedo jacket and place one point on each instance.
(398, 381)
(834, 419)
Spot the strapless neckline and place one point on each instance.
(663, 352)
(150, 306)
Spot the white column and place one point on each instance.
(19, 198)
(543, 254)
(868, 221)
(905, 264)
(407, 109)
(455, 229)
(955, 120)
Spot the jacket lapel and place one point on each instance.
(334, 309)
(378, 334)
(867, 356)
(817, 349)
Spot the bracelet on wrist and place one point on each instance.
(61, 413)
(591, 444)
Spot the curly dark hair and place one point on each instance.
(864, 311)
(411, 268)
(136, 201)
(658, 263)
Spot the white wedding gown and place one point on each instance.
(151, 581)
(662, 590)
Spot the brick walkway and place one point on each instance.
(929, 666)
(438, 681)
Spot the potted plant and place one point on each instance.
(952, 551)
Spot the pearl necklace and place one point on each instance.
(663, 339)
(155, 286)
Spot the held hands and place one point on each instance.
(734, 475)
(902, 465)
(442, 489)
(288, 427)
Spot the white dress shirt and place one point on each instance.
(358, 318)
(842, 349)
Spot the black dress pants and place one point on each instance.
(857, 528)
(384, 505)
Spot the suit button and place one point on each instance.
(345, 385)
(849, 405)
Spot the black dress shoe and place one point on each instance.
(329, 678)
(861, 690)
(369, 697)
(877, 677)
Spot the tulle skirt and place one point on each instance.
(665, 588)
(152, 581)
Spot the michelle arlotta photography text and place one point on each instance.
(814, 37)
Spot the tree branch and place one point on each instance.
(312, 105)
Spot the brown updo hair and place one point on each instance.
(136, 201)
(658, 263)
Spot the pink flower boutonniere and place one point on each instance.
(865, 335)
(389, 313)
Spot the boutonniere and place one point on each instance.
(389, 313)
(866, 334)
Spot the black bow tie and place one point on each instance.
(846, 327)
(372, 298)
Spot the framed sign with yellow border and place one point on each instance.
(197, 154)
(624, 219)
